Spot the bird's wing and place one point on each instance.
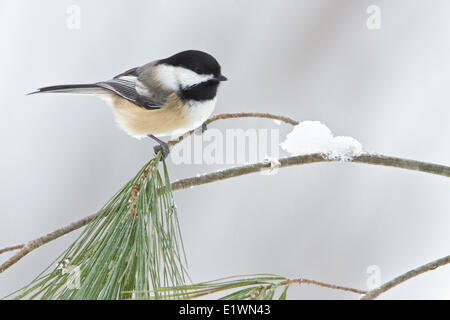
(132, 72)
(128, 86)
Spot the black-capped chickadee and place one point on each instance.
(165, 97)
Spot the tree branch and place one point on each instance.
(181, 184)
(224, 116)
(307, 159)
(19, 246)
(373, 294)
(231, 173)
(323, 284)
(36, 243)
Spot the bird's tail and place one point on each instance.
(72, 89)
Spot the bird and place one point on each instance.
(165, 97)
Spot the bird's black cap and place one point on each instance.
(197, 61)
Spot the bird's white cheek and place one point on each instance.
(167, 77)
(173, 78)
(188, 78)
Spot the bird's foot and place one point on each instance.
(164, 147)
(201, 129)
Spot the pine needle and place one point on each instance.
(251, 287)
(129, 251)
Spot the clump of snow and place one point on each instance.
(310, 137)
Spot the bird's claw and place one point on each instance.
(164, 147)
(201, 129)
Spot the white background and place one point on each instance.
(62, 157)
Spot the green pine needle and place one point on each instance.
(252, 287)
(133, 250)
(130, 250)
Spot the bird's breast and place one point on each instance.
(199, 111)
(175, 118)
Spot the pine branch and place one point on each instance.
(133, 245)
(262, 283)
(373, 159)
(36, 243)
(325, 285)
(373, 294)
(252, 287)
(307, 159)
(224, 116)
(16, 247)
(231, 173)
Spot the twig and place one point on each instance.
(19, 246)
(310, 158)
(373, 294)
(224, 116)
(36, 243)
(33, 244)
(137, 187)
(323, 284)
(234, 172)
(299, 281)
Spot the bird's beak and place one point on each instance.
(221, 78)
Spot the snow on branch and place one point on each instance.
(309, 142)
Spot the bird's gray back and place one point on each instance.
(149, 85)
(139, 85)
